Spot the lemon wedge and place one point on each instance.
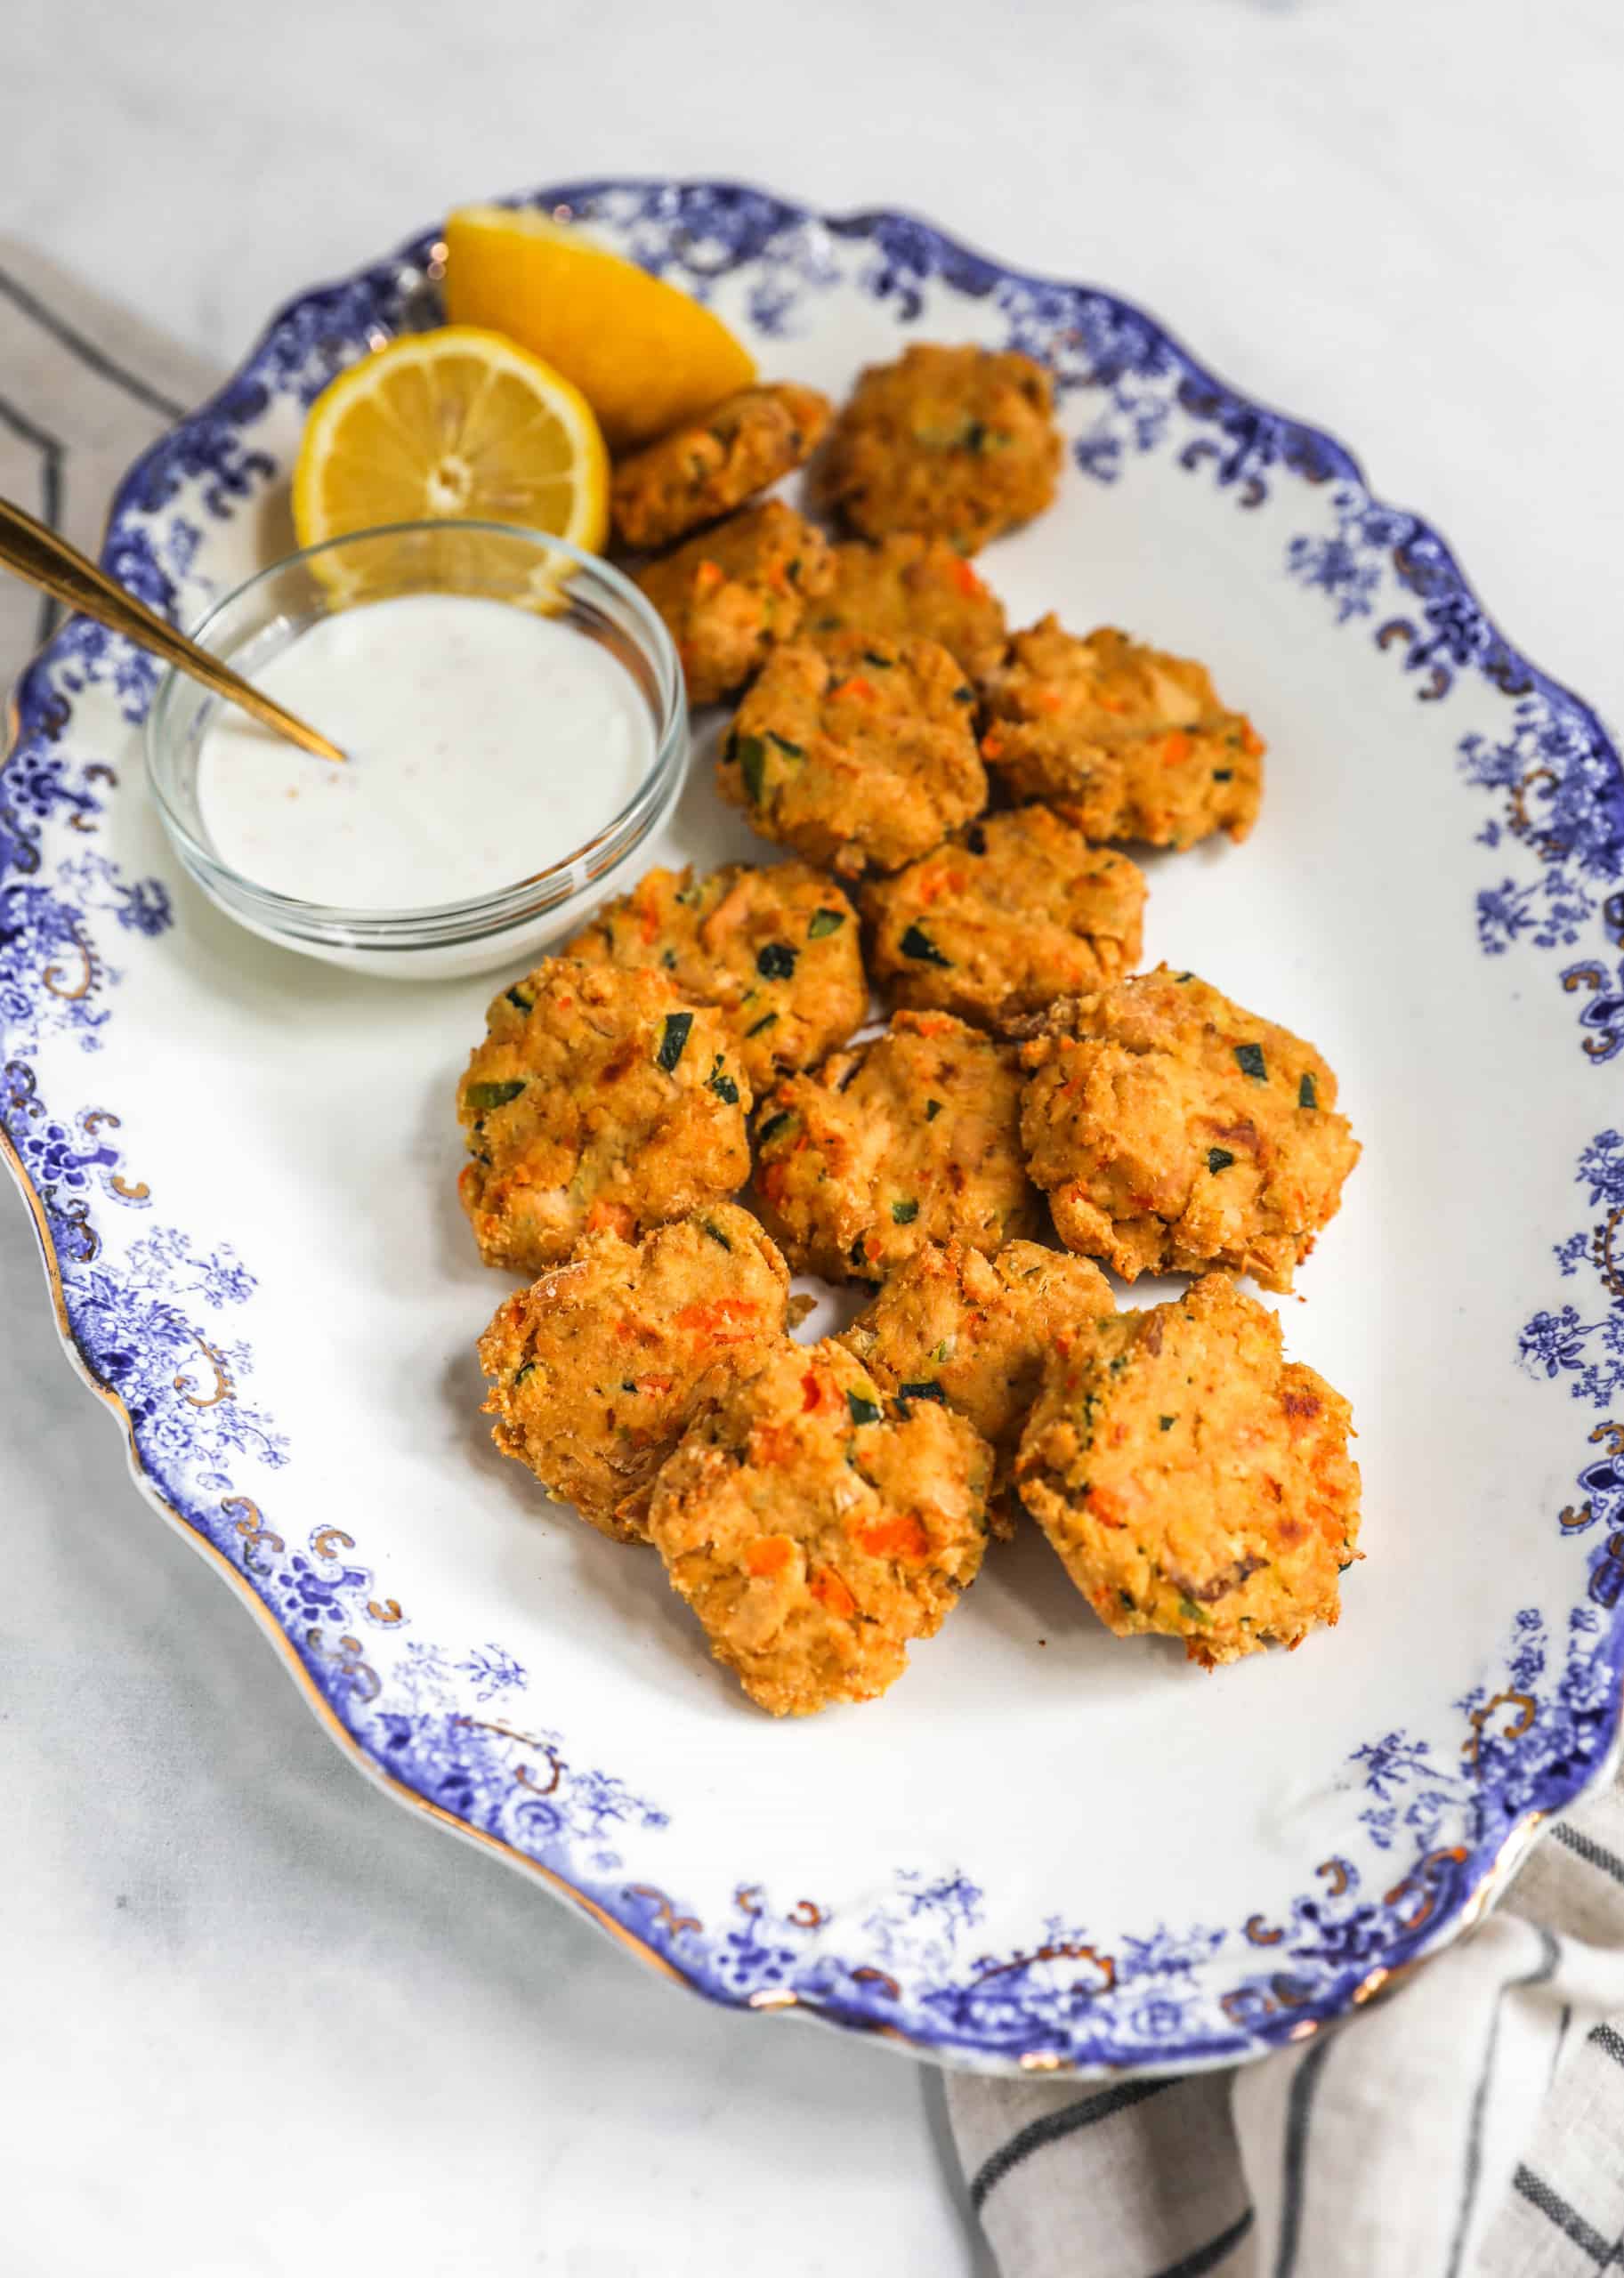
(644, 355)
(457, 423)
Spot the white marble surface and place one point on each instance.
(252, 2017)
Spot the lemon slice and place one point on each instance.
(644, 355)
(457, 423)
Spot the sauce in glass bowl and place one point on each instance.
(513, 713)
(482, 743)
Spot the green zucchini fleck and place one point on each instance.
(725, 1088)
(1218, 1158)
(944, 1351)
(528, 1369)
(751, 753)
(1249, 1060)
(715, 1234)
(933, 1109)
(790, 750)
(769, 1131)
(767, 1021)
(966, 695)
(1222, 774)
(824, 922)
(516, 996)
(903, 1214)
(775, 961)
(916, 943)
(873, 657)
(924, 1390)
(1308, 1092)
(672, 1040)
(863, 1411)
(1167, 1422)
(482, 1097)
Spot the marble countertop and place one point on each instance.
(226, 1966)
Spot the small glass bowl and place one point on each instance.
(494, 562)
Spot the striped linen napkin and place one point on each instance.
(1471, 2126)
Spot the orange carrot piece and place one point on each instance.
(902, 1536)
(768, 1555)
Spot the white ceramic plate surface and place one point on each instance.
(1044, 1846)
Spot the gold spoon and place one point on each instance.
(37, 554)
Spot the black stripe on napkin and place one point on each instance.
(93, 358)
(52, 456)
(1588, 2240)
(1054, 2125)
(1606, 2038)
(1471, 2165)
(1298, 2105)
(1594, 1854)
(1209, 2256)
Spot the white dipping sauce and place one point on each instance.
(484, 742)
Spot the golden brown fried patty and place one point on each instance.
(860, 754)
(913, 588)
(776, 951)
(598, 1366)
(816, 1527)
(598, 1098)
(703, 470)
(977, 1332)
(728, 595)
(1014, 911)
(957, 443)
(913, 1138)
(1132, 744)
(1193, 1480)
(1173, 1130)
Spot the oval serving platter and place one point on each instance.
(1044, 1848)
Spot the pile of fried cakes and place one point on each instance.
(952, 800)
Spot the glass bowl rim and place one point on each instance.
(440, 923)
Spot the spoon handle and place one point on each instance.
(39, 556)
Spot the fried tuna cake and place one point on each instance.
(1193, 1480)
(776, 951)
(1173, 1130)
(977, 1332)
(1010, 913)
(913, 588)
(1132, 743)
(598, 1098)
(728, 595)
(816, 1526)
(598, 1366)
(957, 443)
(859, 753)
(701, 471)
(912, 1138)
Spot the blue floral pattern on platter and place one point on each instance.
(464, 1728)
